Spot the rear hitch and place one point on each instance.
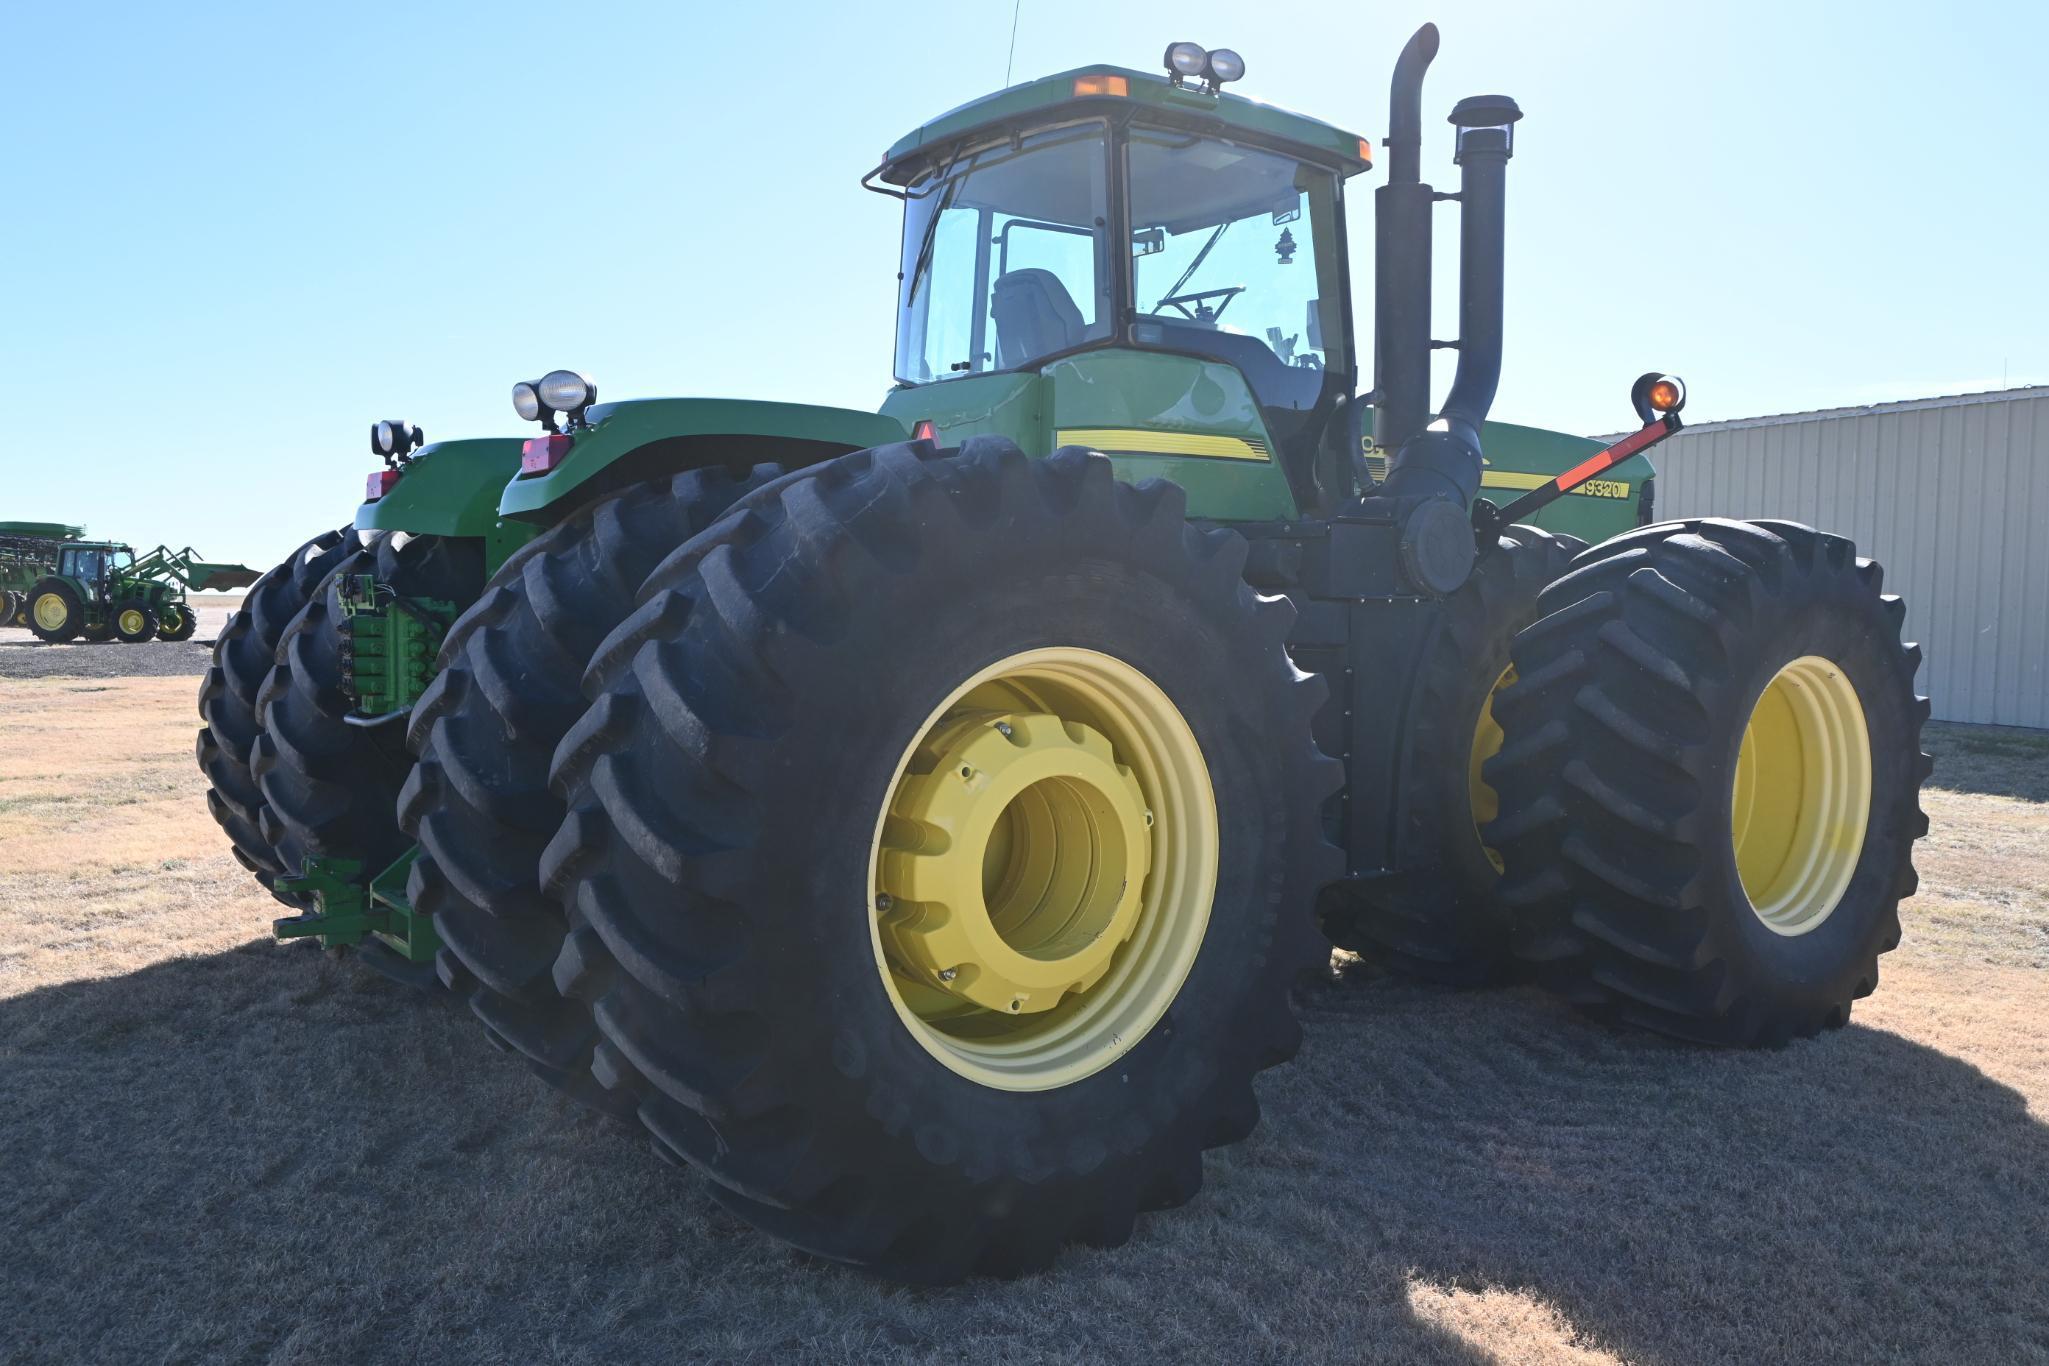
(349, 913)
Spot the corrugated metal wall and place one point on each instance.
(1950, 495)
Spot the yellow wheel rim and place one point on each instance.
(132, 622)
(50, 611)
(1042, 872)
(1801, 796)
(1486, 744)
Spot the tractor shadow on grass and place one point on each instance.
(1997, 761)
(266, 1154)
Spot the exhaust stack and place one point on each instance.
(1401, 258)
(1435, 471)
(1486, 140)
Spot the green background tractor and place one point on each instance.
(100, 590)
(922, 838)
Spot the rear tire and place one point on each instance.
(718, 863)
(330, 789)
(1441, 920)
(243, 655)
(485, 731)
(54, 612)
(1669, 665)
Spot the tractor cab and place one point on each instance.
(1138, 263)
(94, 564)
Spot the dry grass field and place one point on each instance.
(216, 1149)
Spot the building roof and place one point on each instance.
(1875, 409)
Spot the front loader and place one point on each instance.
(921, 838)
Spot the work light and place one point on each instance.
(1223, 65)
(1184, 60)
(526, 402)
(566, 391)
(395, 439)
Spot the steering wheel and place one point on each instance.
(1194, 308)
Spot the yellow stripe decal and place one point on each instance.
(1592, 488)
(1136, 441)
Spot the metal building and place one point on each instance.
(1951, 495)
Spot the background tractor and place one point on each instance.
(100, 590)
(922, 837)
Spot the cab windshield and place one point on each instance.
(1234, 255)
(1002, 257)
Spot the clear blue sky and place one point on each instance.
(236, 235)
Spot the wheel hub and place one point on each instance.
(1081, 847)
(1012, 860)
(1801, 796)
(1487, 738)
(50, 611)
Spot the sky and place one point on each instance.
(238, 235)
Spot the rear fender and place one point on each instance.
(641, 439)
(450, 488)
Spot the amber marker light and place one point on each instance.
(1101, 85)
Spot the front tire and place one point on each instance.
(134, 623)
(816, 680)
(1710, 780)
(177, 621)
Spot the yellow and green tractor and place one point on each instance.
(73, 588)
(917, 821)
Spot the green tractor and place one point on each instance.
(922, 837)
(100, 590)
(28, 552)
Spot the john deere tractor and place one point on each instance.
(921, 837)
(100, 590)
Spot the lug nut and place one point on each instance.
(1003, 729)
(948, 974)
(883, 901)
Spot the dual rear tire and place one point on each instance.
(937, 856)
(243, 655)
(1710, 783)
(1442, 920)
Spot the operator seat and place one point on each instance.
(1035, 316)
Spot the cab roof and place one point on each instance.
(1034, 101)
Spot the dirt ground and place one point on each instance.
(216, 1149)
